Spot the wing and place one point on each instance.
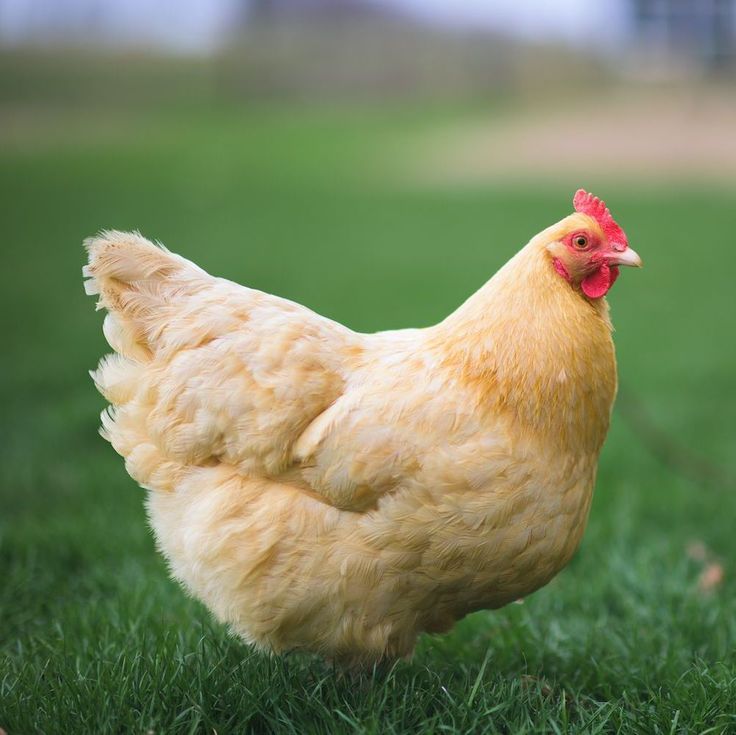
(207, 371)
(399, 425)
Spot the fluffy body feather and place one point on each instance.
(339, 492)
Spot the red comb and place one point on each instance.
(586, 203)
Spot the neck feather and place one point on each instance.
(533, 347)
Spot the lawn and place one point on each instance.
(638, 635)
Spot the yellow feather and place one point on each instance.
(339, 492)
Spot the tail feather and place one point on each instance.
(136, 281)
(128, 257)
(117, 378)
(158, 303)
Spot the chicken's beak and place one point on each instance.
(626, 257)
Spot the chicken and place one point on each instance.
(336, 492)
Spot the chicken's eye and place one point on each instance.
(580, 242)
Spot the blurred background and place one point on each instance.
(376, 160)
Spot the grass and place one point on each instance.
(302, 202)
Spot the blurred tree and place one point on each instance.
(259, 10)
(723, 24)
(702, 30)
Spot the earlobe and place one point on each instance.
(560, 268)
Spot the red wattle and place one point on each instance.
(599, 281)
(614, 275)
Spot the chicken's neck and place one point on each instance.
(531, 346)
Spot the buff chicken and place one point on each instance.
(325, 490)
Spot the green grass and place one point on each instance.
(95, 638)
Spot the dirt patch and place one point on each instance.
(641, 136)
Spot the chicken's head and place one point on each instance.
(589, 246)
